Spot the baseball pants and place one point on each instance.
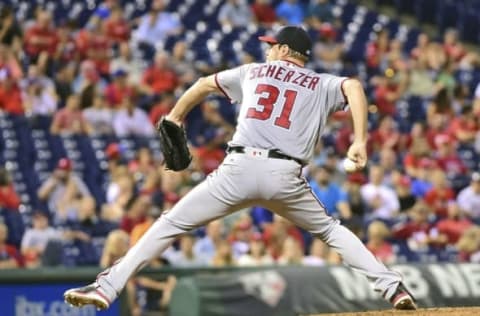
(242, 180)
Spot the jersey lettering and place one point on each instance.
(268, 101)
(281, 74)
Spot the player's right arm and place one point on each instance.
(194, 95)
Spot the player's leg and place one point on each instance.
(296, 202)
(201, 205)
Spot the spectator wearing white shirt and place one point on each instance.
(235, 13)
(99, 116)
(318, 254)
(469, 198)
(257, 254)
(186, 257)
(382, 201)
(132, 121)
(37, 100)
(126, 62)
(155, 26)
(36, 238)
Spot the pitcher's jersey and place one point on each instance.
(283, 106)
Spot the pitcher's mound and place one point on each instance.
(444, 311)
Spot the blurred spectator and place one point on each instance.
(422, 43)
(156, 25)
(386, 135)
(104, 9)
(162, 108)
(153, 214)
(275, 234)
(403, 188)
(88, 78)
(10, 257)
(290, 12)
(182, 65)
(143, 170)
(240, 235)
(64, 191)
(10, 95)
(118, 89)
(99, 116)
(94, 44)
(468, 199)
(378, 232)
(447, 156)
(461, 97)
(159, 77)
(126, 61)
(388, 162)
(137, 210)
(453, 48)
(205, 246)
(9, 62)
(418, 232)
(257, 254)
(235, 13)
(116, 246)
(291, 252)
(223, 255)
(10, 30)
(387, 93)
(41, 39)
(332, 196)
(377, 49)
(120, 191)
(186, 257)
(353, 186)
(67, 47)
(382, 201)
(132, 121)
(118, 30)
(9, 198)
(36, 238)
(441, 107)
(320, 12)
(469, 245)
(63, 82)
(328, 51)
(69, 120)
(464, 127)
(318, 253)
(418, 150)
(440, 194)
(37, 100)
(421, 83)
(454, 225)
(421, 184)
(263, 12)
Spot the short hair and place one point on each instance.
(297, 55)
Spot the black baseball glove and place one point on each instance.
(174, 145)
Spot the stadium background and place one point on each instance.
(82, 83)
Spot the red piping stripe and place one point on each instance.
(221, 89)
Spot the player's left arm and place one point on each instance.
(355, 95)
(193, 96)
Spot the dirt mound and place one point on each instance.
(451, 311)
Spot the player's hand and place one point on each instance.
(358, 154)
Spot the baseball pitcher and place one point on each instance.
(284, 108)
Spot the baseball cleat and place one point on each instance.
(402, 299)
(91, 294)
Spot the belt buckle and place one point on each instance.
(256, 152)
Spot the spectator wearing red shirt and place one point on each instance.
(10, 257)
(454, 225)
(70, 119)
(447, 157)
(41, 37)
(378, 232)
(386, 135)
(159, 77)
(162, 108)
(377, 49)
(465, 126)
(440, 109)
(67, 47)
(275, 234)
(10, 94)
(8, 197)
(440, 194)
(118, 30)
(136, 213)
(387, 93)
(453, 48)
(422, 45)
(118, 89)
(263, 12)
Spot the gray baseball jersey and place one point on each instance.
(288, 108)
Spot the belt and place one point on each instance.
(272, 153)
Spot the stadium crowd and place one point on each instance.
(419, 200)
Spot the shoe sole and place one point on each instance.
(406, 304)
(80, 300)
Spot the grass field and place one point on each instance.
(451, 311)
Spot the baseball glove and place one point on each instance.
(174, 145)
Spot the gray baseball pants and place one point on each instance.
(244, 180)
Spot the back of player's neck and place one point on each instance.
(294, 61)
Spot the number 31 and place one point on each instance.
(268, 101)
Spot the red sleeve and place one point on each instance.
(430, 197)
(409, 161)
(10, 198)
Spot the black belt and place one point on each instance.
(272, 153)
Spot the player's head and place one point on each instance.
(289, 42)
